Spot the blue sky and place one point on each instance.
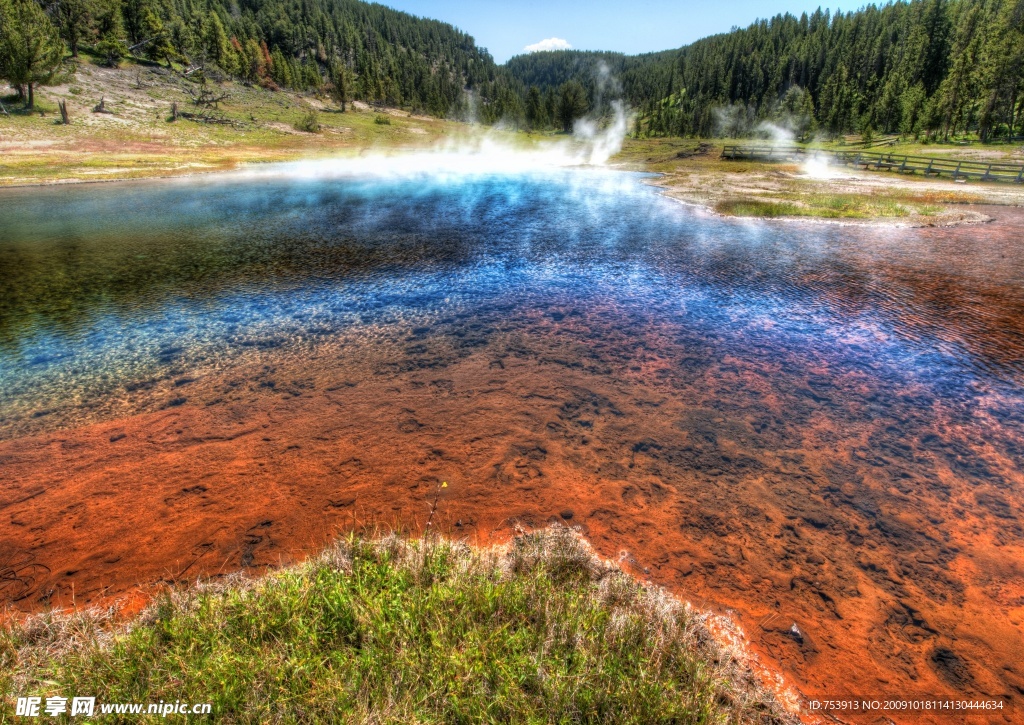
(505, 27)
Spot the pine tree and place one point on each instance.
(73, 19)
(1002, 73)
(340, 83)
(31, 48)
(250, 60)
(132, 12)
(7, 45)
(551, 107)
(311, 78)
(156, 43)
(110, 28)
(959, 88)
(216, 45)
(938, 66)
(572, 104)
(936, 59)
(280, 70)
(535, 115)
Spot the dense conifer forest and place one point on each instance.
(927, 67)
(348, 49)
(938, 67)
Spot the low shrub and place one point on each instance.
(310, 123)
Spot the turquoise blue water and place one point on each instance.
(107, 288)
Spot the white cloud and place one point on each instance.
(549, 44)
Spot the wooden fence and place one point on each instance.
(927, 165)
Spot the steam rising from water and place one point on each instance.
(592, 144)
(815, 166)
(777, 135)
(818, 167)
(604, 144)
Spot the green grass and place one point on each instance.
(755, 208)
(400, 631)
(854, 206)
(824, 206)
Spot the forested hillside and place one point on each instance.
(934, 67)
(931, 66)
(345, 48)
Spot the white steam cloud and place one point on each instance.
(817, 167)
(604, 143)
(739, 121)
(596, 138)
(479, 154)
(776, 134)
(549, 44)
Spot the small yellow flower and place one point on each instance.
(444, 484)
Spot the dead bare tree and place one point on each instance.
(133, 48)
(205, 98)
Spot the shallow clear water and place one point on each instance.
(103, 288)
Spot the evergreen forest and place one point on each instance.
(932, 68)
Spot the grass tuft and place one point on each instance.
(824, 206)
(392, 630)
(757, 208)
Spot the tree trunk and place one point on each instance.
(63, 106)
(1013, 109)
(31, 95)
